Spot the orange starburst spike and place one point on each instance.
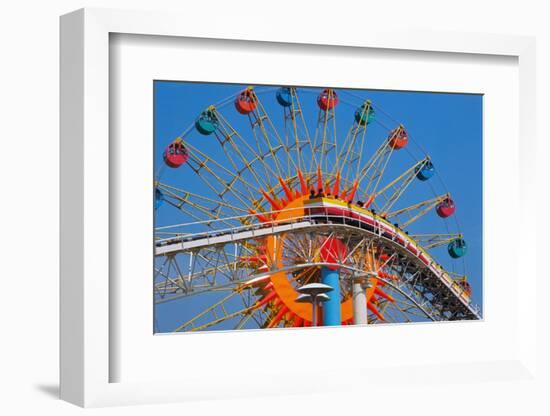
(319, 179)
(383, 294)
(274, 204)
(277, 302)
(298, 321)
(286, 190)
(353, 191)
(344, 193)
(303, 184)
(336, 189)
(375, 311)
(369, 201)
(261, 218)
(278, 317)
(267, 298)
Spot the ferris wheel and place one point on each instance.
(268, 193)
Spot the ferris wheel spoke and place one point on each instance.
(429, 241)
(372, 173)
(213, 315)
(200, 209)
(205, 202)
(244, 320)
(263, 130)
(396, 188)
(324, 139)
(405, 308)
(390, 312)
(351, 152)
(294, 112)
(263, 142)
(263, 155)
(268, 129)
(252, 159)
(225, 178)
(418, 210)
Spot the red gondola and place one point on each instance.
(246, 101)
(398, 138)
(446, 208)
(176, 154)
(328, 99)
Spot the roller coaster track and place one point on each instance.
(427, 284)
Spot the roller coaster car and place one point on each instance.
(466, 288)
(323, 211)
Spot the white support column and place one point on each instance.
(359, 302)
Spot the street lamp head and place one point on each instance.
(314, 289)
(322, 297)
(307, 298)
(304, 298)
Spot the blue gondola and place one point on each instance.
(426, 171)
(457, 248)
(207, 123)
(159, 198)
(364, 114)
(284, 97)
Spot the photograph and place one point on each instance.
(293, 207)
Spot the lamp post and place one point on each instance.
(359, 295)
(313, 293)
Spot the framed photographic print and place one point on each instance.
(323, 214)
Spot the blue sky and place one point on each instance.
(447, 127)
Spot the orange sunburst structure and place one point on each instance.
(277, 291)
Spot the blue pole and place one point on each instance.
(331, 307)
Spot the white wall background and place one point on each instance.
(29, 57)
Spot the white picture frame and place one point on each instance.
(86, 353)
